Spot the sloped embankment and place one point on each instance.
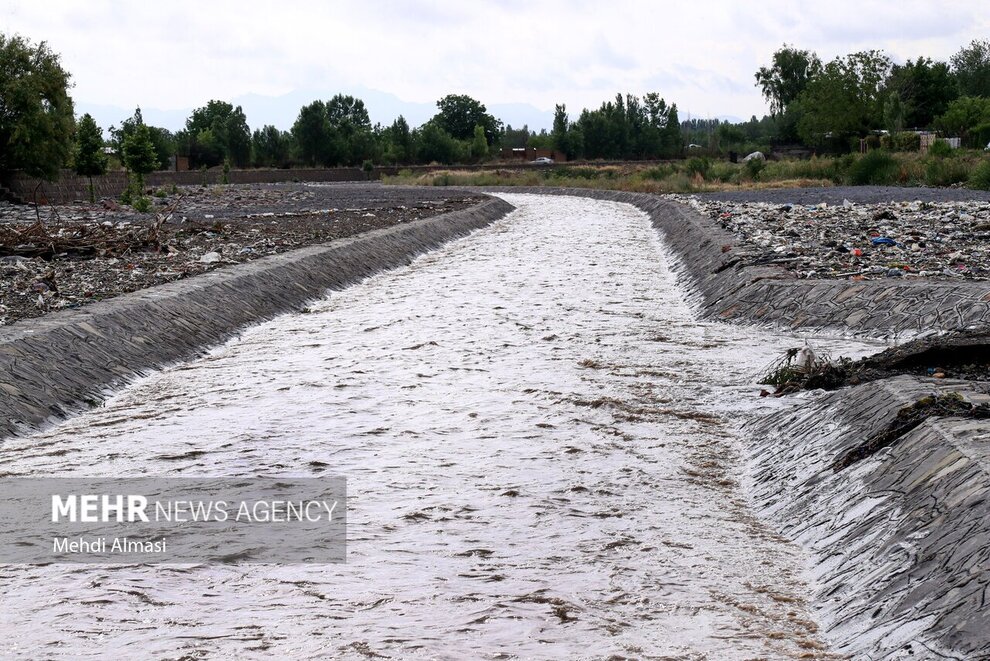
(899, 522)
(896, 516)
(58, 363)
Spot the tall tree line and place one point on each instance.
(829, 103)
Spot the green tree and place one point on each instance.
(513, 138)
(90, 160)
(924, 88)
(731, 137)
(966, 117)
(673, 141)
(163, 141)
(893, 113)
(435, 145)
(845, 99)
(139, 155)
(560, 125)
(313, 135)
(784, 80)
(351, 130)
(479, 145)
(971, 66)
(459, 114)
(399, 147)
(594, 128)
(655, 113)
(228, 137)
(36, 113)
(269, 147)
(541, 140)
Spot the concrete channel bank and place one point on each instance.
(901, 537)
(54, 365)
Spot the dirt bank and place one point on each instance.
(68, 256)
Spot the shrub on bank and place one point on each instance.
(940, 149)
(698, 165)
(754, 167)
(980, 178)
(719, 171)
(945, 171)
(875, 168)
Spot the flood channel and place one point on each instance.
(541, 447)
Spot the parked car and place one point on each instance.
(542, 160)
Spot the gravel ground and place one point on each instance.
(859, 233)
(68, 256)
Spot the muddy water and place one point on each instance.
(541, 459)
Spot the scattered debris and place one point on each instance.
(963, 355)
(68, 256)
(860, 241)
(801, 368)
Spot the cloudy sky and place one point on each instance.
(174, 55)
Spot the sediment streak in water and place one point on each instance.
(538, 440)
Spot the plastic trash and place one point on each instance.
(805, 358)
(883, 241)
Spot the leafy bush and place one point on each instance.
(875, 168)
(945, 171)
(142, 204)
(698, 165)
(721, 171)
(754, 167)
(658, 173)
(901, 141)
(940, 149)
(980, 178)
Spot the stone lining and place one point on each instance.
(901, 539)
(54, 365)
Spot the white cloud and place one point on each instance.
(700, 55)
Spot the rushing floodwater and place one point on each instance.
(540, 458)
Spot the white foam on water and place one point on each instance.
(540, 443)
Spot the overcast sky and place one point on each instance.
(701, 55)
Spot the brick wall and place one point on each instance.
(70, 187)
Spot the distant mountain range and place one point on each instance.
(281, 111)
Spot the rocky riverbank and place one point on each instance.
(69, 256)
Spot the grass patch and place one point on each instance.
(702, 174)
